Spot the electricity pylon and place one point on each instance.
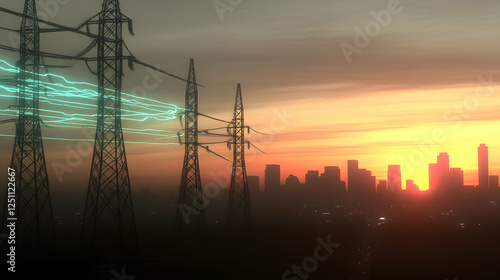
(238, 208)
(33, 205)
(109, 213)
(190, 204)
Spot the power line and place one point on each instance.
(60, 27)
(213, 118)
(9, 29)
(87, 140)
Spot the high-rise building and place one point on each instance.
(394, 178)
(443, 162)
(360, 181)
(439, 174)
(332, 173)
(382, 186)
(253, 184)
(272, 177)
(411, 187)
(456, 179)
(352, 172)
(482, 152)
(292, 181)
(330, 182)
(368, 183)
(312, 179)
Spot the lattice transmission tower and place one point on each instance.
(190, 208)
(35, 228)
(109, 213)
(239, 212)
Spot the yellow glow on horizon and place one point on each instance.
(409, 128)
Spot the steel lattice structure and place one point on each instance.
(238, 207)
(109, 210)
(33, 207)
(190, 205)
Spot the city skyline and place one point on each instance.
(394, 176)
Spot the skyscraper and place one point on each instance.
(272, 177)
(360, 181)
(330, 181)
(352, 170)
(433, 174)
(381, 187)
(332, 173)
(411, 187)
(312, 179)
(394, 178)
(439, 174)
(292, 181)
(456, 179)
(443, 161)
(482, 152)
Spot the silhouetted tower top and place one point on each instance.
(443, 161)
(272, 177)
(394, 178)
(456, 179)
(312, 178)
(433, 176)
(483, 171)
(382, 186)
(292, 180)
(352, 163)
(332, 173)
(352, 171)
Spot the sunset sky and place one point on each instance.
(425, 83)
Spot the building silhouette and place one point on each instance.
(439, 174)
(381, 187)
(312, 179)
(332, 173)
(272, 177)
(292, 181)
(482, 152)
(456, 179)
(330, 179)
(352, 179)
(411, 187)
(360, 181)
(443, 168)
(394, 178)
